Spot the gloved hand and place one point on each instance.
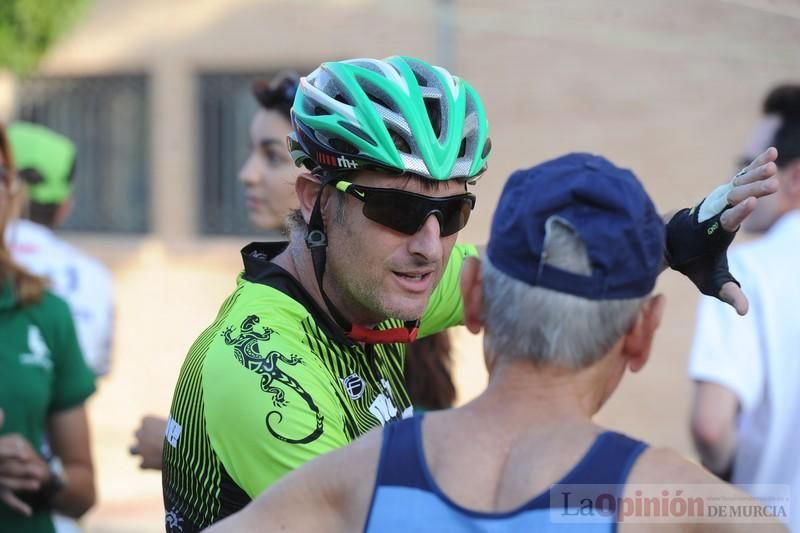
(698, 238)
(698, 249)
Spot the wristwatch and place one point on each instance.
(58, 479)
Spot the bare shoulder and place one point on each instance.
(681, 494)
(663, 465)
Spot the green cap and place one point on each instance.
(49, 154)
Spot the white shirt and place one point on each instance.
(81, 280)
(758, 358)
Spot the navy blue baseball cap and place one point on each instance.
(608, 208)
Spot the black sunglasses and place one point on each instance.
(407, 212)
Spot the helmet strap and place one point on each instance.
(317, 243)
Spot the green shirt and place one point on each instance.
(273, 383)
(42, 371)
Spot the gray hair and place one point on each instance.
(548, 327)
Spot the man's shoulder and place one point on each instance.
(268, 304)
(666, 466)
(663, 476)
(256, 323)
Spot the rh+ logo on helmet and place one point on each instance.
(341, 161)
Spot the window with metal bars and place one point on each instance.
(107, 117)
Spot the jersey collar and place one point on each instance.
(259, 268)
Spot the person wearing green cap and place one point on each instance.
(46, 163)
(44, 384)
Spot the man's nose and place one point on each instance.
(427, 242)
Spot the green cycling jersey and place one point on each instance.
(273, 383)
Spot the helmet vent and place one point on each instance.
(376, 100)
(342, 146)
(318, 111)
(487, 147)
(358, 132)
(400, 143)
(433, 107)
(462, 151)
(422, 82)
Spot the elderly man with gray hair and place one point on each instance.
(564, 298)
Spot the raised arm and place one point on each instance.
(698, 237)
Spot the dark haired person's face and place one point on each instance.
(269, 173)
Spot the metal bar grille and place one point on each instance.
(107, 118)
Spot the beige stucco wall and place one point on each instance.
(667, 87)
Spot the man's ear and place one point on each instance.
(307, 188)
(639, 339)
(472, 294)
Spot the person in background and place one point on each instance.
(745, 369)
(46, 162)
(45, 454)
(268, 174)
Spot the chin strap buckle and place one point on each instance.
(316, 239)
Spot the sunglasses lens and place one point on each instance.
(407, 213)
(455, 216)
(393, 210)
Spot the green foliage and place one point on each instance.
(29, 27)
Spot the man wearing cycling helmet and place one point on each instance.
(307, 353)
(301, 358)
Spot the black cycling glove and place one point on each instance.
(699, 249)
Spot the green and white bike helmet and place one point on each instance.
(399, 115)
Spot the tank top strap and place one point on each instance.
(401, 457)
(608, 462)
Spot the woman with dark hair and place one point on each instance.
(269, 174)
(45, 456)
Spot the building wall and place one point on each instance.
(666, 87)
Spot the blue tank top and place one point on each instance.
(406, 497)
